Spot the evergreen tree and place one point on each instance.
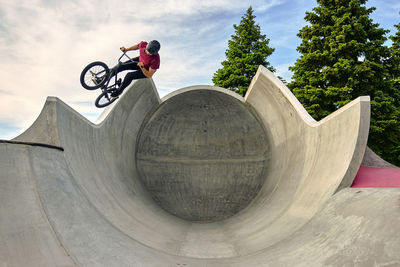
(394, 66)
(247, 49)
(343, 56)
(395, 62)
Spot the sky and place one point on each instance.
(45, 44)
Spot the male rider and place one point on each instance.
(149, 62)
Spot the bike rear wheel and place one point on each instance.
(94, 75)
(105, 98)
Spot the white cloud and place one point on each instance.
(45, 44)
(283, 71)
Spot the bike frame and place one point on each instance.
(113, 72)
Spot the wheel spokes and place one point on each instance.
(95, 75)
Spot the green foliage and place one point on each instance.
(247, 49)
(343, 56)
(394, 63)
(394, 70)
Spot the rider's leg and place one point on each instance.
(128, 65)
(134, 75)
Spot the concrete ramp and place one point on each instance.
(202, 177)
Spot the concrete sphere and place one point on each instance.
(202, 155)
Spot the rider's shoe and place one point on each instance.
(116, 93)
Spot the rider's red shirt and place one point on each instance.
(152, 61)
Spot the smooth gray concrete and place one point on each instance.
(373, 160)
(203, 155)
(93, 204)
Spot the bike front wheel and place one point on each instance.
(105, 99)
(94, 75)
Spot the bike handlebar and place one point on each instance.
(124, 54)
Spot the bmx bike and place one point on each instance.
(98, 75)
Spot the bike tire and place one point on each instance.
(105, 99)
(94, 70)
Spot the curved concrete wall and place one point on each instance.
(373, 160)
(202, 154)
(89, 207)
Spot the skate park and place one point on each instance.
(201, 177)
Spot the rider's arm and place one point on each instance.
(134, 47)
(148, 73)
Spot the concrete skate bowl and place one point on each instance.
(202, 177)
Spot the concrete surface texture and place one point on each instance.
(202, 177)
(202, 155)
(373, 160)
